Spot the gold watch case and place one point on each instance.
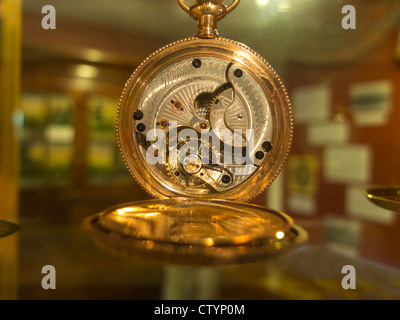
(230, 52)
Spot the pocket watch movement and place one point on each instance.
(205, 117)
(204, 124)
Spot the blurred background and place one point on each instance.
(59, 159)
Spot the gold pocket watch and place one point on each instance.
(204, 124)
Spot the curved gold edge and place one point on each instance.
(242, 46)
(232, 6)
(184, 6)
(374, 194)
(188, 255)
(209, 202)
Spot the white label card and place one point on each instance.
(371, 102)
(328, 133)
(311, 104)
(351, 163)
(302, 203)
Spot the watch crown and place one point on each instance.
(208, 13)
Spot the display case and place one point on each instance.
(343, 86)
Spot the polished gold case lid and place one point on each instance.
(191, 232)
